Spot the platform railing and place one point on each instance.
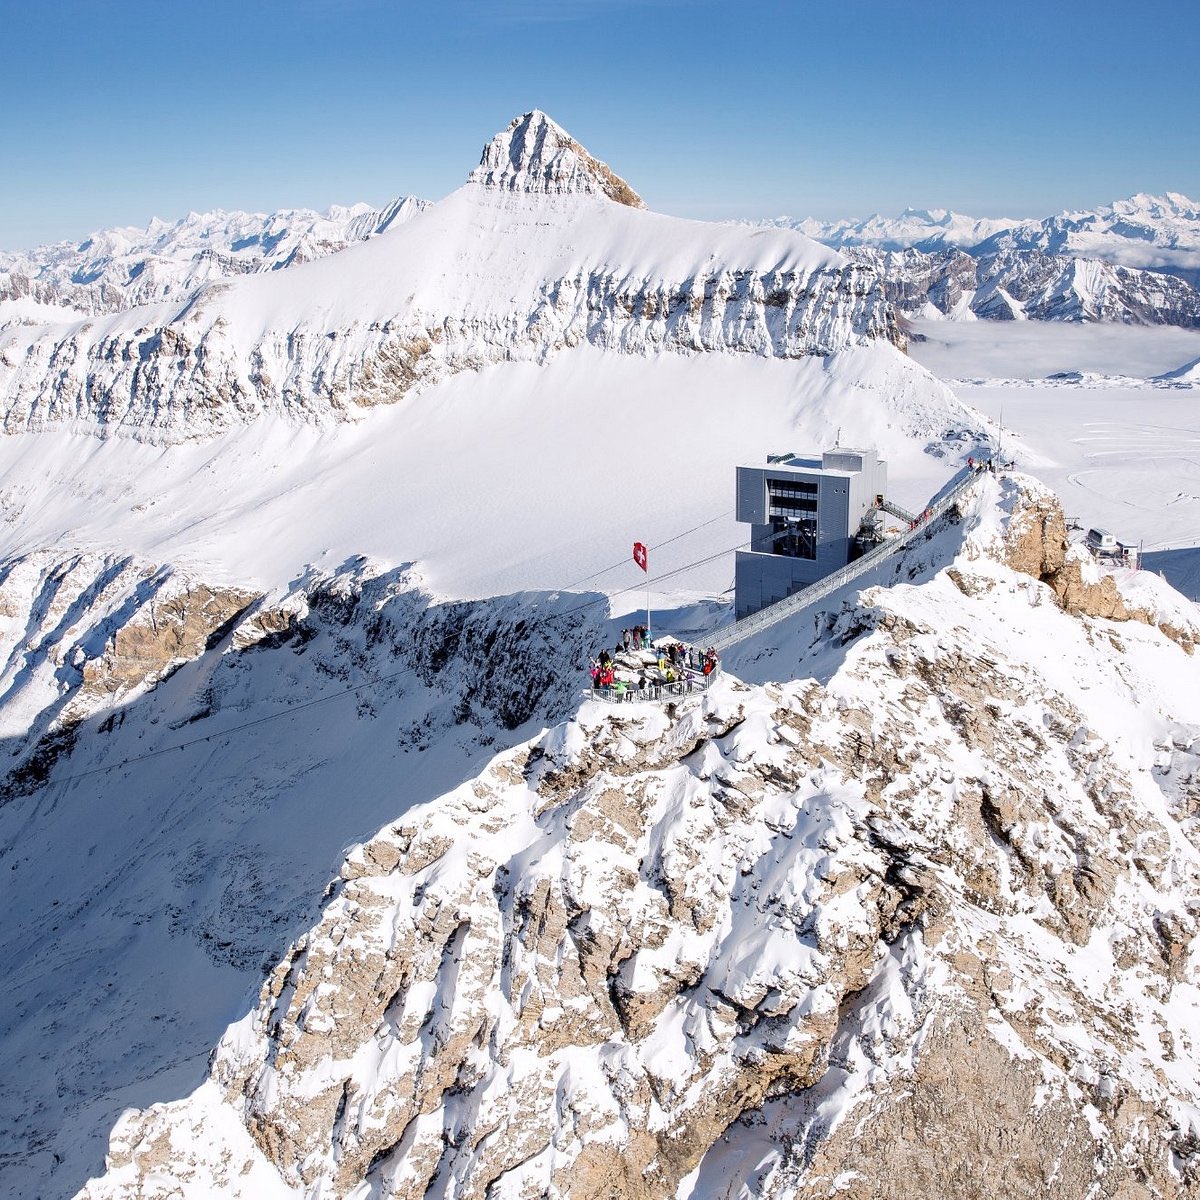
(656, 693)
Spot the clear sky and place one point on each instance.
(119, 110)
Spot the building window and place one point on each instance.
(791, 499)
(794, 537)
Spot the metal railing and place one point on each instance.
(656, 693)
(774, 613)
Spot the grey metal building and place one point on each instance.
(805, 515)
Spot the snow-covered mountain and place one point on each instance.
(1014, 284)
(116, 269)
(924, 859)
(543, 249)
(1157, 232)
(933, 866)
(1135, 261)
(1145, 231)
(915, 228)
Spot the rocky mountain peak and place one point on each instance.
(535, 154)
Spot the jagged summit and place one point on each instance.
(535, 154)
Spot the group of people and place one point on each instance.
(637, 638)
(988, 464)
(637, 670)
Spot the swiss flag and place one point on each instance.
(639, 555)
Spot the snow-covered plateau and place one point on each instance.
(321, 877)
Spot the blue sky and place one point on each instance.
(119, 110)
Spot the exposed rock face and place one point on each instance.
(770, 946)
(87, 632)
(536, 155)
(200, 382)
(1035, 543)
(162, 843)
(530, 259)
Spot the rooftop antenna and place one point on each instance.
(1000, 437)
(838, 440)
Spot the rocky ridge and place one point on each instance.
(543, 250)
(173, 800)
(747, 948)
(1136, 261)
(535, 154)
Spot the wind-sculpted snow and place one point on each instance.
(747, 946)
(509, 268)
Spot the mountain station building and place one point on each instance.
(808, 517)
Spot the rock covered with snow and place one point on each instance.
(745, 948)
(1029, 284)
(1143, 231)
(529, 259)
(534, 154)
(182, 774)
(1136, 261)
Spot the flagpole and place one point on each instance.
(642, 558)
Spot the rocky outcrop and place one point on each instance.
(774, 943)
(534, 154)
(106, 628)
(169, 629)
(1035, 543)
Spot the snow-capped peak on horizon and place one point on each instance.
(119, 268)
(534, 154)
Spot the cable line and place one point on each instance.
(377, 679)
(221, 733)
(570, 587)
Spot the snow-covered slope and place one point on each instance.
(512, 477)
(115, 269)
(933, 865)
(531, 257)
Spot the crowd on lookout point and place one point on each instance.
(638, 668)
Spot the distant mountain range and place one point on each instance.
(1136, 261)
(115, 269)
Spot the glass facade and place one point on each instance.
(792, 510)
